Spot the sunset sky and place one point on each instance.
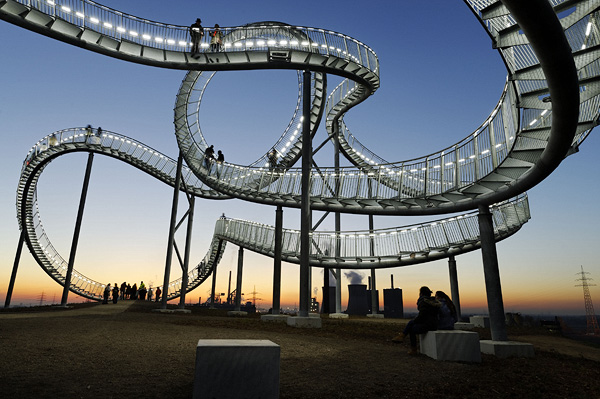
(440, 78)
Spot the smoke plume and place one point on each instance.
(354, 277)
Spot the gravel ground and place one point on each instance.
(106, 351)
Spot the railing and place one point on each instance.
(156, 163)
(582, 31)
(113, 144)
(393, 243)
(124, 27)
(452, 168)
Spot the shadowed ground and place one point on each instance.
(121, 350)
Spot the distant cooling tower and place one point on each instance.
(393, 306)
(357, 299)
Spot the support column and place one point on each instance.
(499, 344)
(165, 290)
(303, 319)
(186, 258)
(326, 299)
(305, 221)
(374, 302)
(454, 285)
(84, 189)
(13, 275)
(214, 279)
(338, 222)
(277, 261)
(238, 281)
(492, 275)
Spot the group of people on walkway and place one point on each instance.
(209, 158)
(128, 291)
(197, 35)
(435, 313)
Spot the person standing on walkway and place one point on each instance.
(216, 41)
(158, 292)
(209, 156)
(196, 33)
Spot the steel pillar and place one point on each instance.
(374, 307)
(238, 281)
(338, 222)
(492, 275)
(214, 279)
(277, 261)
(165, 291)
(13, 275)
(186, 258)
(305, 214)
(454, 285)
(84, 189)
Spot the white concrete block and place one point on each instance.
(463, 326)
(236, 368)
(451, 345)
(304, 322)
(274, 317)
(480, 321)
(338, 315)
(237, 313)
(504, 349)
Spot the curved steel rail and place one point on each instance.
(392, 247)
(540, 118)
(549, 105)
(124, 149)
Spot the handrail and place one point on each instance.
(117, 146)
(120, 26)
(393, 247)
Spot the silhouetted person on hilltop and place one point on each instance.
(134, 292)
(115, 293)
(123, 290)
(447, 315)
(142, 291)
(106, 294)
(426, 320)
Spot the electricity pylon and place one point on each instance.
(592, 323)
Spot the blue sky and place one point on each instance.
(440, 78)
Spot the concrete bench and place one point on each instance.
(236, 368)
(480, 321)
(451, 345)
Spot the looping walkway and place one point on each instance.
(549, 105)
